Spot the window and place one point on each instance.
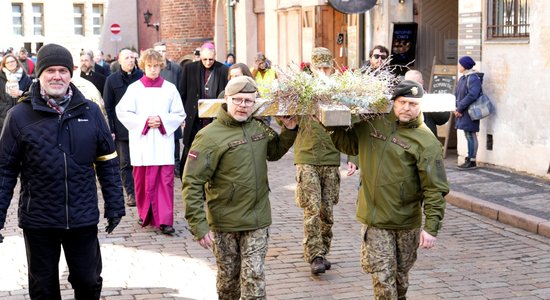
(508, 19)
(38, 18)
(17, 18)
(78, 17)
(97, 18)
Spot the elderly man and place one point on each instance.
(228, 160)
(203, 79)
(87, 70)
(402, 177)
(57, 141)
(115, 87)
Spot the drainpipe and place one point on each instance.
(230, 28)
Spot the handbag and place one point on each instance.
(480, 108)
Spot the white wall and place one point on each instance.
(516, 78)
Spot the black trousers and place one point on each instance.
(123, 152)
(83, 256)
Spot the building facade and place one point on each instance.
(83, 24)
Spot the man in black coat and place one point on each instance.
(115, 87)
(87, 71)
(203, 79)
(172, 73)
(57, 143)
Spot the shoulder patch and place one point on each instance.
(234, 144)
(400, 143)
(377, 135)
(193, 155)
(259, 136)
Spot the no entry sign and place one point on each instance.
(115, 29)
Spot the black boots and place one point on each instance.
(318, 266)
(469, 164)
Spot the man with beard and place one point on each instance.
(87, 71)
(203, 79)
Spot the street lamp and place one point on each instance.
(147, 16)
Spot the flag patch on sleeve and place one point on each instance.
(193, 154)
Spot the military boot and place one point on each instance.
(317, 266)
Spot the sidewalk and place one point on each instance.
(518, 200)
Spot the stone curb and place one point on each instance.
(500, 213)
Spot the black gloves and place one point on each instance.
(111, 224)
(1, 238)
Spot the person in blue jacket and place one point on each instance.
(467, 91)
(57, 142)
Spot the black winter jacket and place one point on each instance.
(115, 87)
(58, 158)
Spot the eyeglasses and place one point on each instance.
(239, 101)
(377, 56)
(207, 59)
(10, 61)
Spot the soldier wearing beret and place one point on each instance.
(228, 159)
(402, 177)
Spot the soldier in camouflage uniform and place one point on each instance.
(318, 178)
(402, 177)
(228, 159)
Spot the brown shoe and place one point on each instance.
(317, 266)
(131, 201)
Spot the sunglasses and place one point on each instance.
(377, 56)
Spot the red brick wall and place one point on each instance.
(186, 25)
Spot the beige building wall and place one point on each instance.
(58, 25)
(516, 79)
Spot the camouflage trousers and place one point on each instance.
(317, 191)
(388, 255)
(240, 258)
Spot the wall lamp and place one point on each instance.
(147, 16)
(401, 1)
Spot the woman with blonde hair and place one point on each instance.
(152, 110)
(13, 83)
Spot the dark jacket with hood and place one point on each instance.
(467, 91)
(57, 158)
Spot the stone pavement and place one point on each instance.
(476, 257)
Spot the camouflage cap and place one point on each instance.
(241, 84)
(409, 89)
(321, 58)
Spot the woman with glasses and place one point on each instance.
(14, 81)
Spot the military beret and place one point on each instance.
(321, 58)
(241, 84)
(409, 89)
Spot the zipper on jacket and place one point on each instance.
(378, 171)
(66, 191)
(255, 171)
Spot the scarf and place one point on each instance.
(58, 105)
(13, 76)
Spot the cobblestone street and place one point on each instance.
(476, 257)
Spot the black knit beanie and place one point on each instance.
(53, 55)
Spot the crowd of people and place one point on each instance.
(127, 138)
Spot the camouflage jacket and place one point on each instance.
(402, 172)
(228, 158)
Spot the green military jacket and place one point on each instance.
(402, 172)
(313, 145)
(228, 158)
